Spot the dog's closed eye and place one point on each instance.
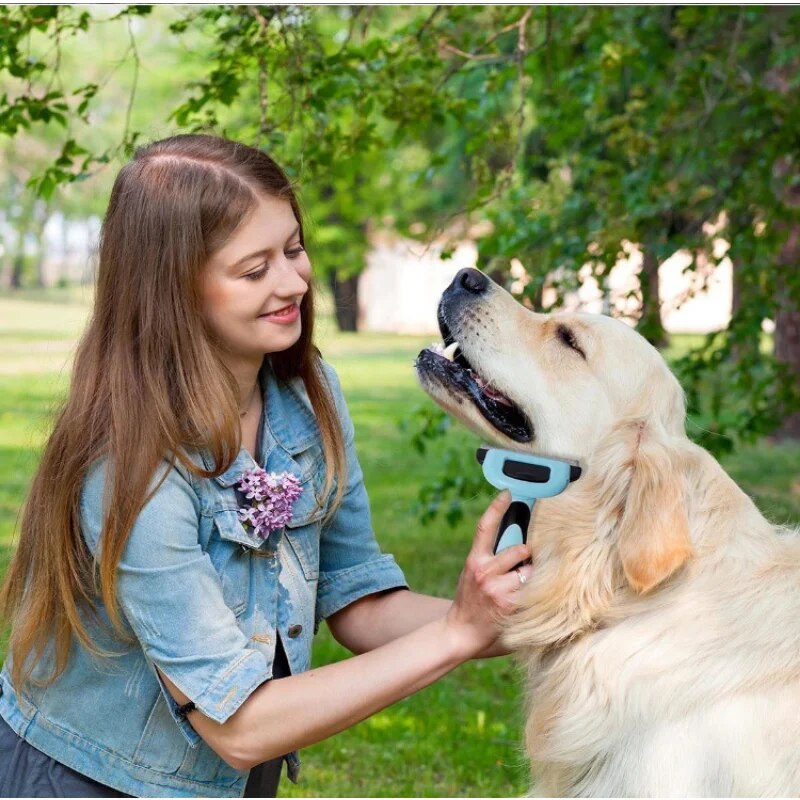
(567, 336)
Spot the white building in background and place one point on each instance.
(70, 249)
(399, 290)
(401, 286)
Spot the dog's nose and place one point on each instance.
(472, 280)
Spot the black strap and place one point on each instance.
(183, 710)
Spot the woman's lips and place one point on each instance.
(284, 315)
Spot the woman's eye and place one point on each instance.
(569, 339)
(295, 251)
(259, 273)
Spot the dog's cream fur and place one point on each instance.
(660, 630)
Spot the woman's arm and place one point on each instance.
(284, 715)
(379, 618)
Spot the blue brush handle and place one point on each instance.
(528, 477)
(514, 525)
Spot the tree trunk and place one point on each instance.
(39, 221)
(6, 256)
(345, 296)
(18, 258)
(738, 287)
(18, 265)
(6, 271)
(24, 225)
(649, 324)
(63, 266)
(787, 330)
(785, 174)
(747, 348)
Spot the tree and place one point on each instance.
(573, 131)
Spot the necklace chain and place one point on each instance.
(249, 402)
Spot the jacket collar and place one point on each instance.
(289, 417)
(289, 428)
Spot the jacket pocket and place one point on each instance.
(230, 556)
(309, 466)
(304, 541)
(303, 529)
(202, 764)
(162, 746)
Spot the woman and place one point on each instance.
(150, 614)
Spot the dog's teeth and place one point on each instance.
(450, 351)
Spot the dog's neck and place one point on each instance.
(579, 583)
(574, 578)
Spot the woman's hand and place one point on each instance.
(487, 586)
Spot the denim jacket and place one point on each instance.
(205, 599)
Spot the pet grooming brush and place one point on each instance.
(528, 477)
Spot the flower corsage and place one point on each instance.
(271, 496)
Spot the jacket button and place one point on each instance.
(294, 631)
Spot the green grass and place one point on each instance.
(460, 737)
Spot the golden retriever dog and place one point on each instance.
(660, 631)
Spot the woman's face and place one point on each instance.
(253, 285)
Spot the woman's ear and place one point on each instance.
(653, 532)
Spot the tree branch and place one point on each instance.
(134, 83)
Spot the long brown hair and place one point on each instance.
(147, 381)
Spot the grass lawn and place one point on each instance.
(460, 737)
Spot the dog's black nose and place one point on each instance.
(471, 280)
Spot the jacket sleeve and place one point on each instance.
(171, 596)
(351, 563)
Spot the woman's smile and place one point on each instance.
(283, 316)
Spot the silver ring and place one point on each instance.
(522, 578)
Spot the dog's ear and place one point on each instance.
(653, 533)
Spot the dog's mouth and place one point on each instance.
(447, 362)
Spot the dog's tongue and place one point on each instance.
(489, 391)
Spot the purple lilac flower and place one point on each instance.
(271, 495)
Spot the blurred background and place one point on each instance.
(641, 162)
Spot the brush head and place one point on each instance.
(526, 475)
(533, 468)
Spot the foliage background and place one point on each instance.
(565, 131)
(570, 131)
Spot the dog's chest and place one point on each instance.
(587, 694)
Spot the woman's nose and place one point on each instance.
(292, 281)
